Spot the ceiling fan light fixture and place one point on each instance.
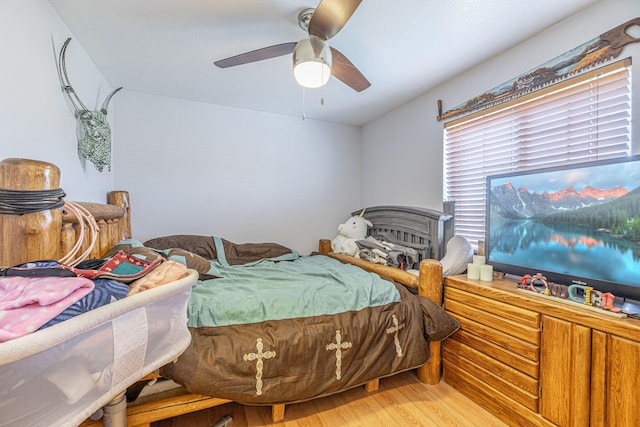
(312, 62)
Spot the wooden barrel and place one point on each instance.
(32, 236)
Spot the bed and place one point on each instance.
(258, 371)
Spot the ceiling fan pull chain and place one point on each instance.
(322, 89)
(304, 116)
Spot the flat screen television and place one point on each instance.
(575, 224)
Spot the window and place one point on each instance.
(585, 118)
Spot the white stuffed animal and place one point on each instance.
(348, 233)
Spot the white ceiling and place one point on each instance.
(404, 48)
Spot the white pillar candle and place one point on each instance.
(486, 273)
(478, 259)
(473, 271)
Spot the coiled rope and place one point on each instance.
(85, 219)
(20, 202)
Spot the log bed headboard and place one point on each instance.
(52, 233)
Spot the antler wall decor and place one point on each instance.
(92, 127)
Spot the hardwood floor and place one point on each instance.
(401, 400)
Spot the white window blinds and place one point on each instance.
(585, 118)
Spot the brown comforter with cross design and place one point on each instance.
(295, 359)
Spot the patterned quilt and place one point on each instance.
(260, 338)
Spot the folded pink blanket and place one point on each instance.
(26, 303)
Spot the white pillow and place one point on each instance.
(459, 254)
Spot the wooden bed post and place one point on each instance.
(324, 246)
(34, 235)
(277, 412)
(430, 277)
(121, 198)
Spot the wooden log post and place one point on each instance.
(121, 198)
(277, 412)
(32, 236)
(430, 286)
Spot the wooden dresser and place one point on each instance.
(534, 361)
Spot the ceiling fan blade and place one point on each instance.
(330, 16)
(257, 55)
(345, 71)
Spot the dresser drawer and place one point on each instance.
(512, 321)
(527, 365)
(509, 381)
(522, 316)
(516, 345)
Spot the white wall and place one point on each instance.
(35, 120)
(402, 150)
(245, 175)
(190, 167)
(195, 168)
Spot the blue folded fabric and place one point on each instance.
(105, 292)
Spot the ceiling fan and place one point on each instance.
(313, 59)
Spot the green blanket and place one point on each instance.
(275, 290)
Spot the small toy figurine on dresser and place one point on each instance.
(577, 293)
(349, 233)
